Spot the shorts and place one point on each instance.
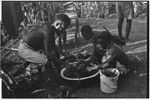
(125, 9)
(30, 55)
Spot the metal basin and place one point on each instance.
(80, 82)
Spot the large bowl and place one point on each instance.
(80, 82)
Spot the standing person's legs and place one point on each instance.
(121, 19)
(128, 28)
(129, 15)
(120, 23)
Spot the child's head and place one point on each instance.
(104, 39)
(86, 32)
(62, 21)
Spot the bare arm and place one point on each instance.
(47, 47)
(92, 57)
(49, 42)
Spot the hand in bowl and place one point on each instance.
(92, 68)
(80, 60)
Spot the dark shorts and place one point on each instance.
(125, 9)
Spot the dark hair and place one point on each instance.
(64, 18)
(104, 39)
(105, 35)
(86, 31)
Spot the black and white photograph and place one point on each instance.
(74, 49)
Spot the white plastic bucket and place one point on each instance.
(109, 84)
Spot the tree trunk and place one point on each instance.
(76, 31)
(76, 25)
(51, 13)
(12, 16)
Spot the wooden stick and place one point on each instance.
(13, 49)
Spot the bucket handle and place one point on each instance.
(115, 71)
